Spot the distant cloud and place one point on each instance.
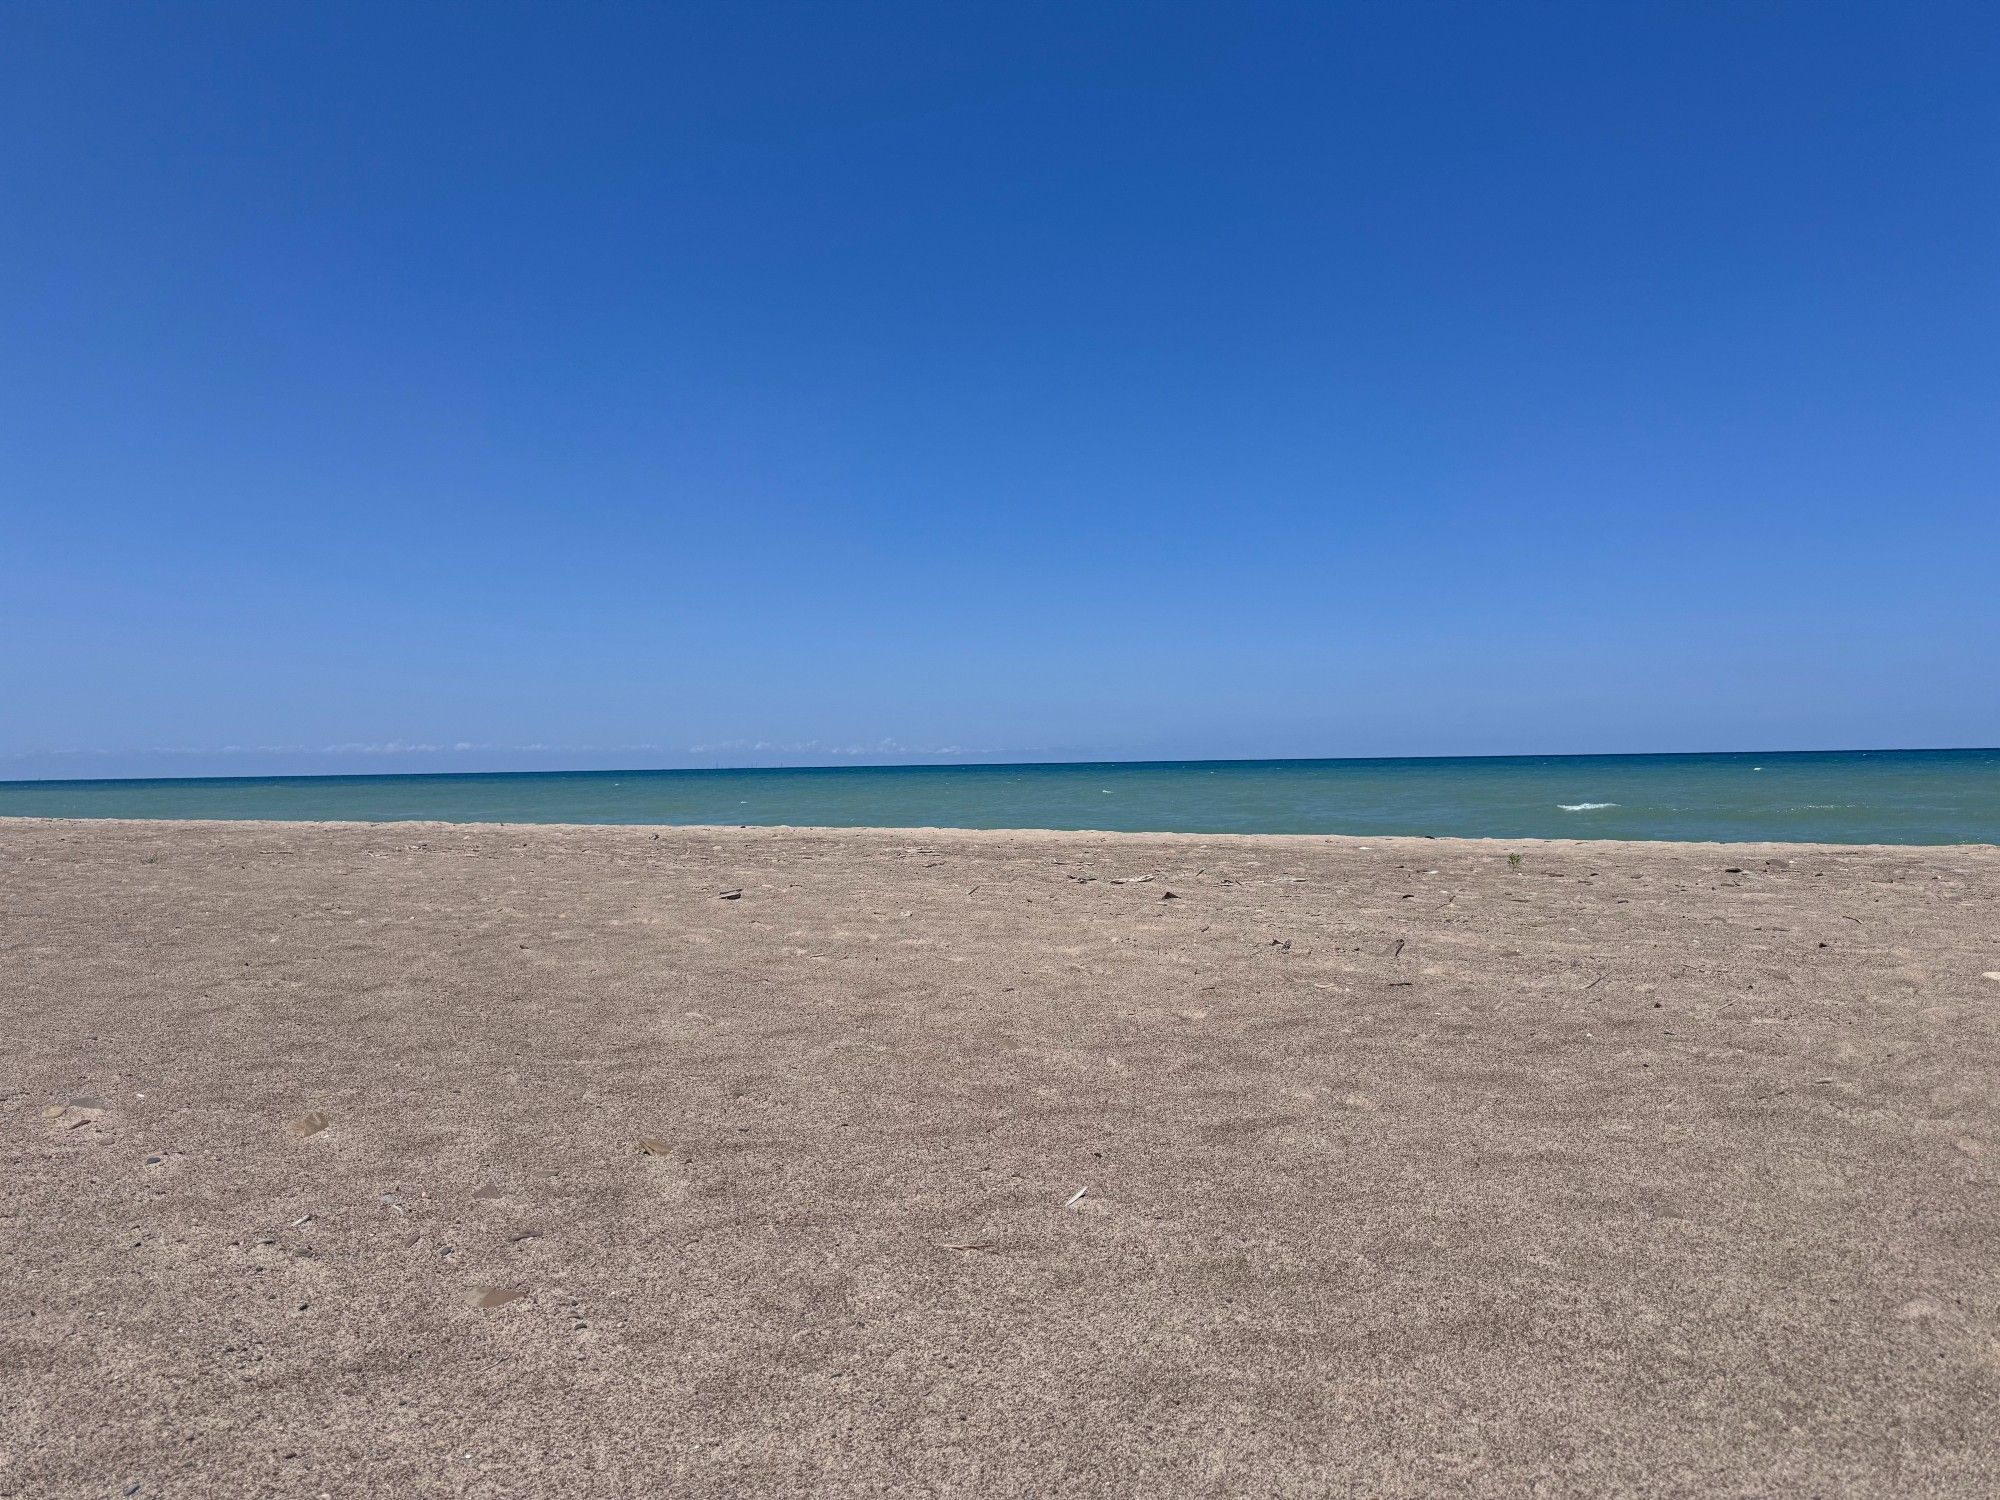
(386, 748)
(820, 747)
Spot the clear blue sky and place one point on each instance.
(651, 383)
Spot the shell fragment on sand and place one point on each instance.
(81, 1111)
(1076, 1197)
(486, 1192)
(654, 1146)
(307, 1124)
(487, 1297)
(735, 895)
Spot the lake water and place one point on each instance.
(1877, 796)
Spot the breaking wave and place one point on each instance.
(1584, 806)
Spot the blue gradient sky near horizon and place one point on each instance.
(488, 386)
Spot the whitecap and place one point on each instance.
(1584, 806)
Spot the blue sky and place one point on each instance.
(666, 384)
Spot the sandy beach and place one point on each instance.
(528, 1161)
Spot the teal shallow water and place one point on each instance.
(1879, 796)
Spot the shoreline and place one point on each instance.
(1014, 835)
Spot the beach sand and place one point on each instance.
(1637, 1170)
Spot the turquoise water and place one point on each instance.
(1874, 796)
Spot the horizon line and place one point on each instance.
(971, 765)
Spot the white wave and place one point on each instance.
(1584, 806)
